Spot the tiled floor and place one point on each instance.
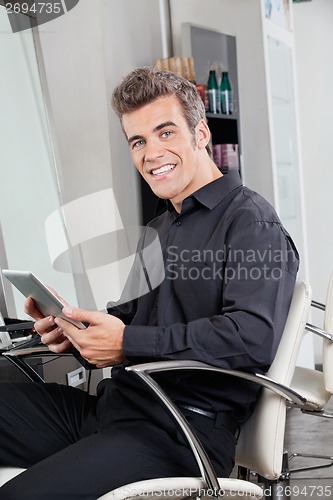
(310, 435)
(307, 434)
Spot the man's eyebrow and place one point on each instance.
(134, 138)
(164, 124)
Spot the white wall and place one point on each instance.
(29, 190)
(132, 37)
(82, 55)
(313, 25)
(85, 53)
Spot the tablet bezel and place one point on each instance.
(46, 301)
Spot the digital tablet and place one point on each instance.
(46, 301)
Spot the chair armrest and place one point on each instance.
(286, 392)
(205, 467)
(21, 351)
(17, 354)
(32, 349)
(143, 372)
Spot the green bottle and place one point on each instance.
(213, 93)
(226, 94)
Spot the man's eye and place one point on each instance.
(167, 133)
(137, 144)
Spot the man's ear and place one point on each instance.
(202, 134)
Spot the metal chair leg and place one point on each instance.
(328, 463)
(280, 489)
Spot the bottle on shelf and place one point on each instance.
(213, 93)
(226, 94)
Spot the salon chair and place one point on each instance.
(260, 445)
(316, 385)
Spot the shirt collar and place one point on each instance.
(213, 193)
(209, 195)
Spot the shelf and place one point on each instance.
(220, 116)
(224, 128)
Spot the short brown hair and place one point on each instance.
(144, 85)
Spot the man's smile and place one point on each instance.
(163, 169)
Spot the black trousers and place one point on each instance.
(78, 446)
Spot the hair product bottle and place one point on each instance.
(226, 94)
(213, 93)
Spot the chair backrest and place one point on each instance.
(260, 445)
(327, 345)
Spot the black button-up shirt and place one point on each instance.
(230, 269)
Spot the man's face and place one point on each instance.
(163, 149)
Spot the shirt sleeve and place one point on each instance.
(255, 289)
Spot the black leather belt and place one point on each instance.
(219, 418)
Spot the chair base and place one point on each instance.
(328, 462)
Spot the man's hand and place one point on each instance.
(101, 343)
(47, 329)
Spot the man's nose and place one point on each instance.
(153, 151)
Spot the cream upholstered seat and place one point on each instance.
(182, 487)
(317, 386)
(311, 384)
(260, 446)
(7, 473)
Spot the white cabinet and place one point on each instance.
(281, 96)
(282, 102)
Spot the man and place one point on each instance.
(230, 269)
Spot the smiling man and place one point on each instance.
(172, 159)
(230, 269)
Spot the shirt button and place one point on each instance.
(178, 223)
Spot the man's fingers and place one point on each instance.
(101, 342)
(31, 309)
(72, 340)
(82, 314)
(59, 346)
(45, 325)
